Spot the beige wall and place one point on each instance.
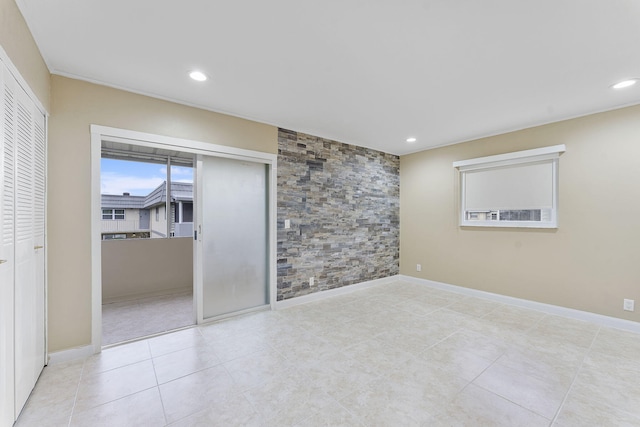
(591, 262)
(75, 106)
(139, 267)
(18, 43)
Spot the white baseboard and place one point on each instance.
(608, 321)
(76, 353)
(318, 296)
(600, 319)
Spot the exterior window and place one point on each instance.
(157, 214)
(511, 190)
(113, 214)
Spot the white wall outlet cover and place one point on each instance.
(629, 305)
(418, 267)
(287, 223)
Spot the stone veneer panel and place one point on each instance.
(343, 202)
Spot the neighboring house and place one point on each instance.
(125, 216)
(180, 214)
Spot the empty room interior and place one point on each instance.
(319, 213)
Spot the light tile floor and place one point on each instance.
(393, 355)
(127, 320)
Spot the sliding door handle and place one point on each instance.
(38, 247)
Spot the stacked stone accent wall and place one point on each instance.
(343, 203)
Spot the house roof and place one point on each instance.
(180, 191)
(114, 201)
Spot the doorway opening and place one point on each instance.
(146, 216)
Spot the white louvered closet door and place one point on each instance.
(23, 233)
(7, 161)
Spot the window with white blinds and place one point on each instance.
(511, 190)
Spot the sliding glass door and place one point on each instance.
(232, 235)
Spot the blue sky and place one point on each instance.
(137, 178)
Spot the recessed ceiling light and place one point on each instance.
(625, 83)
(198, 76)
(411, 140)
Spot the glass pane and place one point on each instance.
(140, 187)
(234, 235)
(135, 187)
(181, 196)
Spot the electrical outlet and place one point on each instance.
(629, 304)
(418, 267)
(287, 223)
(311, 281)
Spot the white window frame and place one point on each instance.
(113, 215)
(538, 155)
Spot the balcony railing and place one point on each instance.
(184, 229)
(122, 226)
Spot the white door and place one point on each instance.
(29, 243)
(232, 252)
(22, 284)
(7, 113)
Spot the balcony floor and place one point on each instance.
(123, 321)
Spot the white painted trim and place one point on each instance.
(599, 319)
(78, 353)
(96, 244)
(511, 158)
(46, 237)
(21, 81)
(319, 296)
(147, 337)
(198, 287)
(126, 136)
(232, 315)
(273, 232)
(537, 155)
(100, 133)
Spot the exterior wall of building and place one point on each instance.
(343, 202)
(130, 223)
(158, 222)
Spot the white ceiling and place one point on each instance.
(370, 73)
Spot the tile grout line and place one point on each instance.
(75, 397)
(575, 376)
(155, 373)
(85, 371)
